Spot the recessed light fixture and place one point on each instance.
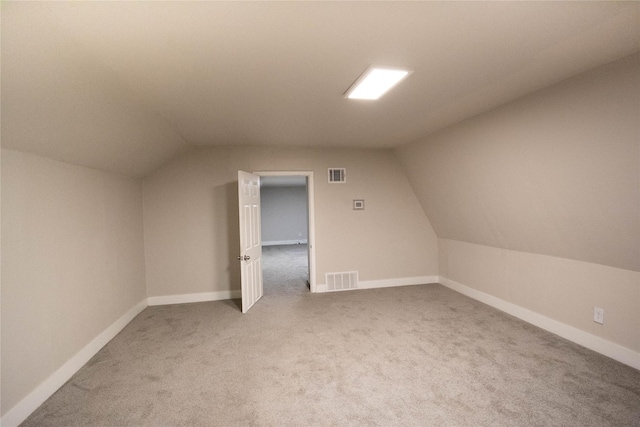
(376, 81)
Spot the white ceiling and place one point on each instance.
(126, 86)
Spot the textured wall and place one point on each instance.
(191, 217)
(72, 263)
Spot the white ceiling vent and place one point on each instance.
(337, 175)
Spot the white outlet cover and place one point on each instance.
(598, 315)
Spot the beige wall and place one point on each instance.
(191, 217)
(561, 289)
(72, 263)
(554, 173)
(538, 202)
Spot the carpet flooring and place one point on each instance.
(405, 356)
(285, 269)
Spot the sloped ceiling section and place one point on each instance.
(60, 102)
(124, 86)
(555, 173)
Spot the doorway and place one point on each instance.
(287, 229)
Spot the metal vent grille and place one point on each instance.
(342, 281)
(337, 175)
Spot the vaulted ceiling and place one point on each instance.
(126, 86)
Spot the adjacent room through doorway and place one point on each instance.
(285, 234)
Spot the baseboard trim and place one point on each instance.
(199, 297)
(385, 283)
(578, 336)
(284, 242)
(404, 281)
(33, 400)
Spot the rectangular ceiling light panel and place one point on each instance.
(375, 82)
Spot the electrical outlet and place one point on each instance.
(598, 315)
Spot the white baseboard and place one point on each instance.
(404, 281)
(199, 297)
(284, 242)
(33, 400)
(385, 283)
(585, 339)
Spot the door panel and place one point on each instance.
(250, 239)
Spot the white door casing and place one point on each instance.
(250, 239)
(311, 235)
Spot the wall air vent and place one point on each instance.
(337, 175)
(341, 281)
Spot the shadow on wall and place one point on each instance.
(226, 231)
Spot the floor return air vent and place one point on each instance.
(341, 281)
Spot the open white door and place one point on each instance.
(250, 239)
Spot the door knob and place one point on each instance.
(244, 258)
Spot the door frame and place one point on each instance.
(311, 221)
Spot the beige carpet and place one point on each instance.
(406, 356)
(285, 269)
